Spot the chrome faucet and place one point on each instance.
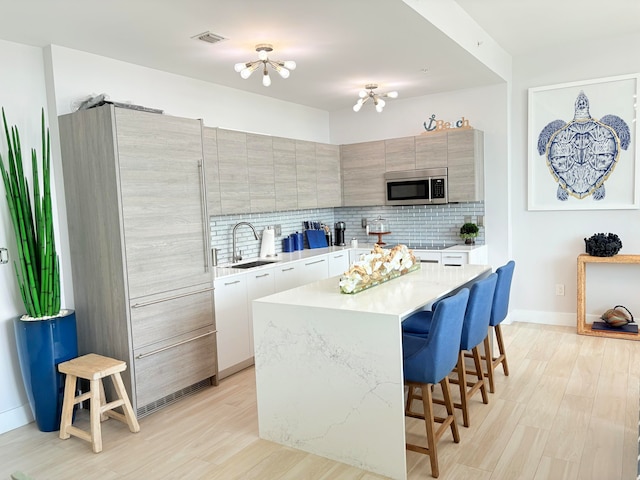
(237, 258)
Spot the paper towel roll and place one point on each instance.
(268, 246)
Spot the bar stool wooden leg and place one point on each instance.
(129, 415)
(488, 356)
(67, 405)
(95, 412)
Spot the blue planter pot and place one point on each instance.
(42, 345)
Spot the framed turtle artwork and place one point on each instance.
(583, 152)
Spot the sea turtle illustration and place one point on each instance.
(582, 154)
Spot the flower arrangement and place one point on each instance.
(376, 267)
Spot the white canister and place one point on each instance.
(354, 243)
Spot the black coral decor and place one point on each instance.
(603, 245)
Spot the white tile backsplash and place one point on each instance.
(423, 225)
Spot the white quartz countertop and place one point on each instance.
(399, 297)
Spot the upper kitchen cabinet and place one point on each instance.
(431, 150)
(210, 150)
(400, 154)
(329, 187)
(465, 161)
(261, 173)
(363, 167)
(284, 163)
(140, 251)
(233, 170)
(306, 174)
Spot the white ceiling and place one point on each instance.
(339, 45)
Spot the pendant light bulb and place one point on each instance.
(379, 108)
(263, 55)
(381, 103)
(284, 73)
(266, 79)
(393, 94)
(238, 67)
(363, 93)
(357, 107)
(289, 64)
(246, 72)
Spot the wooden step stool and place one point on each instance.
(94, 368)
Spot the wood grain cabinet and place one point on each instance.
(233, 171)
(306, 174)
(139, 242)
(363, 167)
(465, 162)
(328, 180)
(284, 164)
(431, 150)
(400, 154)
(262, 194)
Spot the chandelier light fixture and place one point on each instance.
(263, 49)
(368, 93)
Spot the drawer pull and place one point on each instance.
(143, 355)
(338, 256)
(288, 269)
(144, 304)
(312, 263)
(263, 275)
(231, 283)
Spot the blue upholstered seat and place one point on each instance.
(428, 360)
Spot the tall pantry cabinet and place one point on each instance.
(140, 250)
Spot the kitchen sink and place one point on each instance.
(255, 263)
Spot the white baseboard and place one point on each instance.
(14, 418)
(545, 318)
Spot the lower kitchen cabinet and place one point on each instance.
(338, 263)
(287, 276)
(235, 351)
(314, 269)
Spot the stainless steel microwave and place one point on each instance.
(416, 187)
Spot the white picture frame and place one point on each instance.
(547, 182)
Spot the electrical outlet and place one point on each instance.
(278, 230)
(467, 219)
(481, 220)
(560, 289)
(363, 222)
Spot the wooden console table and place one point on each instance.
(583, 327)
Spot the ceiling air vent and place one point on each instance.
(209, 37)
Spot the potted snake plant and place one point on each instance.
(46, 335)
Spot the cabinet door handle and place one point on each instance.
(338, 256)
(231, 283)
(317, 261)
(288, 269)
(173, 345)
(144, 304)
(205, 216)
(263, 275)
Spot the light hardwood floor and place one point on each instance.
(569, 410)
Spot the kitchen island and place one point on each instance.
(328, 365)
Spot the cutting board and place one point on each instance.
(316, 239)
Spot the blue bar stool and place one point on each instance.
(499, 311)
(428, 361)
(474, 331)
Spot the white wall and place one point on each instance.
(79, 74)
(546, 243)
(22, 94)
